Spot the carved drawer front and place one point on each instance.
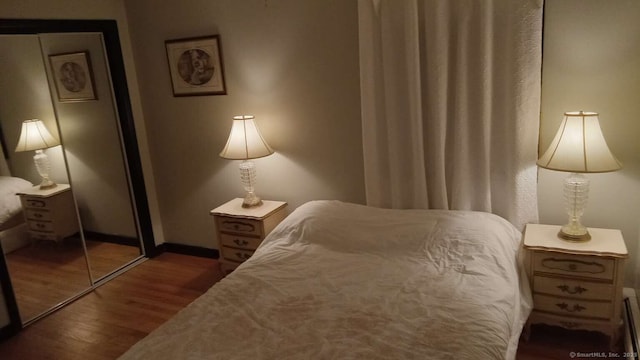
(241, 242)
(572, 288)
(240, 226)
(237, 255)
(40, 215)
(573, 307)
(574, 265)
(34, 202)
(41, 226)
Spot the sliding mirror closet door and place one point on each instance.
(41, 241)
(81, 87)
(73, 79)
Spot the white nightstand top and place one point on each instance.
(234, 208)
(603, 241)
(36, 191)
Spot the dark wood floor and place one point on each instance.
(105, 323)
(46, 273)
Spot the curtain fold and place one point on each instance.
(450, 104)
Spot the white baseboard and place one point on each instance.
(631, 313)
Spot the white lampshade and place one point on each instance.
(35, 136)
(579, 146)
(245, 141)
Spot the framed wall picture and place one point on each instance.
(73, 76)
(195, 65)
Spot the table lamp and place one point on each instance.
(245, 143)
(578, 147)
(35, 136)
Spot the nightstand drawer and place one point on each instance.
(240, 226)
(40, 215)
(237, 255)
(34, 202)
(571, 323)
(574, 265)
(571, 307)
(40, 226)
(572, 288)
(240, 242)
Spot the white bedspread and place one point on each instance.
(9, 201)
(344, 281)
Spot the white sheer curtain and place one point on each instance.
(450, 104)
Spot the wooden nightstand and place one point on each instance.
(241, 230)
(51, 213)
(576, 285)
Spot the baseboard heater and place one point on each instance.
(631, 320)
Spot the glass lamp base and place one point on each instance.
(576, 194)
(251, 200)
(248, 177)
(47, 184)
(43, 166)
(572, 232)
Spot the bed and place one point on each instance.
(12, 232)
(343, 281)
(10, 208)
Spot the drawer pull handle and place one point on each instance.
(241, 242)
(242, 256)
(239, 226)
(574, 265)
(38, 215)
(569, 324)
(40, 226)
(574, 291)
(575, 308)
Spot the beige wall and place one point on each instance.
(293, 64)
(592, 63)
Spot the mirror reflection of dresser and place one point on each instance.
(95, 223)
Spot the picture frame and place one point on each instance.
(73, 76)
(195, 66)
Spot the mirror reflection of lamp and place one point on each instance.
(245, 143)
(578, 147)
(35, 136)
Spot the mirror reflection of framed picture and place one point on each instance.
(195, 65)
(73, 76)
